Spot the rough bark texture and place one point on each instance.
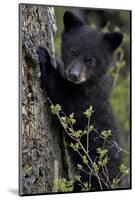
(40, 154)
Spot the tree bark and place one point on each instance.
(40, 145)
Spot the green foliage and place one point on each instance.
(102, 152)
(96, 167)
(85, 160)
(59, 12)
(106, 134)
(78, 178)
(63, 185)
(106, 28)
(124, 170)
(77, 134)
(55, 109)
(71, 119)
(85, 185)
(120, 100)
(75, 146)
(89, 112)
(115, 183)
(105, 161)
(79, 166)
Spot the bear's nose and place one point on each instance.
(74, 75)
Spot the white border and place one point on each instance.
(9, 98)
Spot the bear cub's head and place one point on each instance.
(86, 53)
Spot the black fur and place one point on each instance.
(81, 80)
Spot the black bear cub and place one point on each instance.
(79, 80)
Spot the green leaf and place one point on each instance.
(124, 170)
(79, 166)
(78, 178)
(95, 167)
(114, 184)
(85, 185)
(77, 134)
(85, 160)
(102, 152)
(105, 161)
(55, 109)
(77, 146)
(106, 134)
(91, 127)
(64, 119)
(89, 111)
(71, 118)
(62, 185)
(72, 145)
(64, 124)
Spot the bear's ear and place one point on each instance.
(70, 20)
(113, 40)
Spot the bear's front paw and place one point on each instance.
(43, 55)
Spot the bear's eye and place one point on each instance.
(90, 61)
(73, 53)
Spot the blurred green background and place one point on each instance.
(106, 21)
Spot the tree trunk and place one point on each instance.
(40, 152)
